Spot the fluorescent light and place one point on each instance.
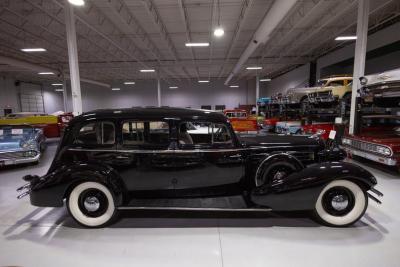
(218, 32)
(77, 2)
(197, 44)
(57, 84)
(254, 68)
(129, 82)
(204, 81)
(265, 80)
(149, 70)
(28, 50)
(345, 38)
(59, 90)
(46, 73)
(173, 87)
(234, 86)
(115, 89)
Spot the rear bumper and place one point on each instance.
(371, 156)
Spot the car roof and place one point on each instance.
(152, 113)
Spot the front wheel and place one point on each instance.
(341, 203)
(91, 204)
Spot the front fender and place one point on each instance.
(51, 189)
(300, 190)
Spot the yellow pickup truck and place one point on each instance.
(331, 89)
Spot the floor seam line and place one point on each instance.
(220, 247)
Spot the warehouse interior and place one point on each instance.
(72, 57)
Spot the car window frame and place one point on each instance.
(81, 125)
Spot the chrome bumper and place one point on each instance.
(15, 161)
(24, 190)
(370, 156)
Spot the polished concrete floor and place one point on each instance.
(31, 236)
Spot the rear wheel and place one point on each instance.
(341, 203)
(91, 204)
(274, 173)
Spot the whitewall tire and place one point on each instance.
(91, 204)
(341, 203)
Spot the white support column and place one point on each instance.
(257, 91)
(158, 91)
(359, 58)
(65, 94)
(73, 59)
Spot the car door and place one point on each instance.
(145, 159)
(208, 155)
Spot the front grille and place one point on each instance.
(11, 155)
(364, 146)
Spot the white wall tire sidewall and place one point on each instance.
(75, 211)
(353, 215)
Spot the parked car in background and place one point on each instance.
(241, 121)
(288, 127)
(20, 144)
(382, 88)
(331, 90)
(146, 158)
(378, 140)
(269, 124)
(323, 129)
(52, 125)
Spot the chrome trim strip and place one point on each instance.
(191, 209)
(367, 142)
(370, 156)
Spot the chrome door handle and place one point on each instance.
(235, 156)
(122, 157)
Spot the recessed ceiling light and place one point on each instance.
(197, 44)
(204, 81)
(345, 38)
(46, 73)
(149, 70)
(59, 90)
(265, 80)
(129, 83)
(77, 2)
(30, 50)
(234, 86)
(57, 84)
(115, 89)
(254, 68)
(173, 87)
(218, 32)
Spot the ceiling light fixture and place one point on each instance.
(197, 44)
(173, 87)
(46, 73)
(234, 86)
(254, 68)
(115, 89)
(149, 70)
(77, 2)
(30, 50)
(127, 83)
(218, 32)
(204, 81)
(59, 90)
(345, 38)
(265, 80)
(57, 84)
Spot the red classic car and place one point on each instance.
(322, 128)
(379, 140)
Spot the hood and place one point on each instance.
(278, 140)
(388, 138)
(9, 145)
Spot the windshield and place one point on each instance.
(15, 132)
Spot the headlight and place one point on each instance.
(28, 145)
(346, 141)
(384, 150)
(363, 80)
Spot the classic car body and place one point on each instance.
(331, 90)
(20, 144)
(383, 88)
(297, 95)
(269, 124)
(288, 127)
(110, 160)
(379, 140)
(240, 120)
(321, 128)
(52, 125)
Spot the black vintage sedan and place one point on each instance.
(174, 158)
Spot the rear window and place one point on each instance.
(96, 133)
(145, 132)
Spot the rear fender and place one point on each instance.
(300, 190)
(51, 189)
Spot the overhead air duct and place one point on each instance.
(276, 13)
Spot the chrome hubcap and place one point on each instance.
(340, 202)
(91, 204)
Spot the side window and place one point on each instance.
(337, 83)
(145, 132)
(204, 133)
(96, 133)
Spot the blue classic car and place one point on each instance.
(20, 144)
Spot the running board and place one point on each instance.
(194, 209)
